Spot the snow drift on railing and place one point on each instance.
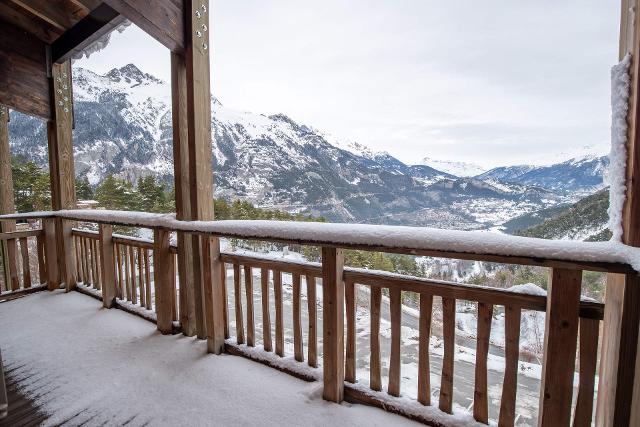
(379, 237)
(620, 83)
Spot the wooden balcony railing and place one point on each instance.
(139, 276)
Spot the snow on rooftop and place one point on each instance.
(380, 236)
(102, 366)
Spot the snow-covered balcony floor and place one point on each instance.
(87, 365)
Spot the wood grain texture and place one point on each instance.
(395, 307)
(162, 273)
(298, 352)
(225, 300)
(266, 314)
(350, 358)
(589, 333)
(107, 266)
(333, 323)
(424, 368)
(277, 294)
(251, 324)
(147, 275)
(313, 321)
(375, 381)
(480, 394)
(448, 335)
(213, 294)
(560, 341)
(42, 263)
(512, 351)
(6, 192)
(238, 308)
(49, 227)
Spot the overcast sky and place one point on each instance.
(490, 82)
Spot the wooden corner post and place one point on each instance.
(61, 167)
(107, 266)
(163, 279)
(560, 344)
(191, 107)
(8, 250)
(333, 323)
(618, 401)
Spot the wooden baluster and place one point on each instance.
(225, 300)
(147, 276)
(266, 316)
(480, 394)
(107, 266)
(424, 368)
(134, 285)
(94, 263)
(560, 341)
(248, 287)
(238, 299)
(298, 351)
(162, 278)
(277, 293)
(448, 332)
(350, 358)
(89, 255)
(78, 259)
(12, 254)
(127, 271)
(26, 267)
(174, 293)
(83, 273)
(143, 292)
(87, 261)
(589, 331)
(375, 381)
(42, 263)
(396, 330)
(511, 351)
(313, 321)
(121, 284)
(98, 263)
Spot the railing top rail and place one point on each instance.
(612, 257)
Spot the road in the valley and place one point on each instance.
(528, 388)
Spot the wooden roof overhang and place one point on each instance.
(37, 33)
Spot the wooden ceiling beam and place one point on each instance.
(59, 13)
(87, 5)
(29, 22)
(24, 85)
(164, 21)
(96, 24)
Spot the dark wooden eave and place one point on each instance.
(36, 33)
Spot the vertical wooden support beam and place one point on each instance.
(162, 275)
(619, 390)
(333, 323)
(192, 152)
(7, 249)
(107, 265)
(61, 167)
(51, 257)
(214, 297)
(560, 343)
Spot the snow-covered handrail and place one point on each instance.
(475, 245)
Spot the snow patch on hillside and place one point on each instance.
(460, 169)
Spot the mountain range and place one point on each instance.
(123, 127)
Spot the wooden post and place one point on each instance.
(51, 257)
(619, 376)
(333, 323)
(191, 107)
(560, 343)
(214, 300)
(162, 276)
(7, 249)
(107, 266)
(61, 167)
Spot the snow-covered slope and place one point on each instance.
(123, 127)
(460, 169)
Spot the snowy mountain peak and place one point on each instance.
(460, 169)
(131, 74)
